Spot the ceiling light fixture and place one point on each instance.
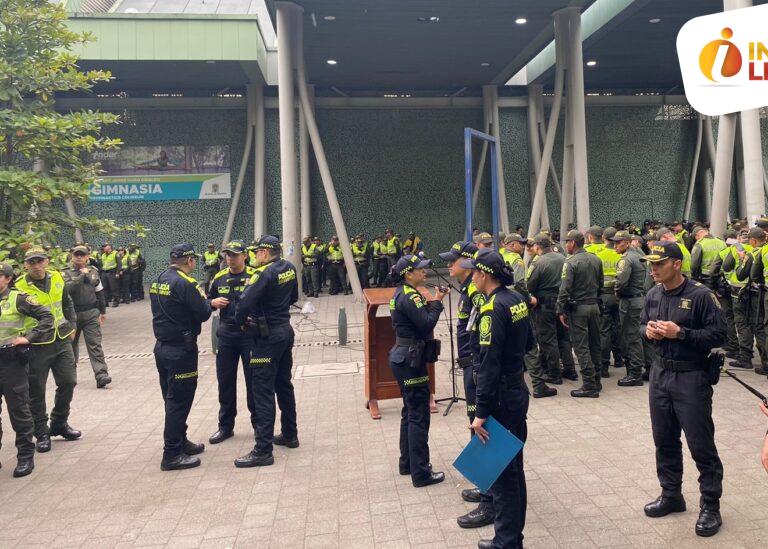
(654, 20)
(431, 19)
(331, 61)
(592, 63)
(485, 64)
(521, 20)
(330, 17)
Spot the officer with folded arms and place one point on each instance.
(684, 321)
(506, 335)
(23, 321)
(179, 307)
(264, 309)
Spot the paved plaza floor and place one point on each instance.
(589, 463)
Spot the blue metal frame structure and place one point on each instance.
(493, 145)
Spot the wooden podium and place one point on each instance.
(379, 336)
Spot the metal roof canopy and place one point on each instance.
(632, 53)
(161, 51)
(393, 45)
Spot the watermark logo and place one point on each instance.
(724, 61)
(722, 55)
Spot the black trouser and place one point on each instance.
(757, 319)
(382, 271)
(137, 284)
(609, 331)
(271, 363)
(732, 342)
(362, 273)
(125, 286)
(564, 347)
(177, 371)
(509, 491)
(337, 276)
(546, 325)
(233, 348)
(631, 341)
(741, 306)
(391, 260)
(683, 400)
(469, 391)
(415, 414)
(14, 386)
(111, 286)
(311, 276)
(210, 272)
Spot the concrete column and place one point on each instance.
(738, 167)
(288, 169)
(721, 192)
(694, 167)
(752, 146)
(484, 150)
(577, 114)
(502, 190)
(709, 175)
(69, 204)
(304, 165)
(534, 146)
(235, 203)
(259, 193)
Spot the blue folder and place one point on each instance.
(481, 464)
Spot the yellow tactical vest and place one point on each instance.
(211, 258)
(610, 258)
(710, 248)
(52, 300)
(335, 254)
(109, 261)
(361, 254)
(12, 323)
(392, 246)
(308, 254)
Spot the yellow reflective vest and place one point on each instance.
(51, 299)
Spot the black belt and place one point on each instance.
(591, 301)
(230, 327)
(507, 381)
(109, 271)
(464, 362)
(90, 308)
(681, 365)
(631, 296)
(337, 262)
(407, 341)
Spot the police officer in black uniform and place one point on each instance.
(234, 344)
(413, 320)
(684, 321)
(506, 335)
(470, 301)
(179, 308)
(264, 309)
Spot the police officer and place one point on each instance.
(630, 291)
(595, 240)
(124, 275)
(321, 261)
(609, 316)
(211, 260)
(393, 251)
(667, 235)
(137, 266)
(234, 344)
(311, 270)
(378, 258)
(23, 321)
(87, 293)
(337, 271)
(264, 308)
(361, 254)
(753, 271)
(53, 355)
(505, 336)
(179, 307)
(578, 309)
(736, 256)
(109, 270)
(512, 250)
(469, 355)
(684, 321)
(413, 245)
(413, 320)
(703, 256)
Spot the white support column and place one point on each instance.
(738, 167)
(721, 192)
(304, 166)
(502, 190)
(752, 146)
(325, 175)
(288, 169)
(694, 167)
(259, 192)
(69, 204)
(542, 138)
(546, 156)
(709, 175)
(484, 151)
(534, 146)
(577, 115)
(246, 158)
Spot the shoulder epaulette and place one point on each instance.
(186, 277)
(488, 306)
(221, 273)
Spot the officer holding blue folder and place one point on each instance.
(505, 336)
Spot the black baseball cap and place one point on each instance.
(661, 251)
(543, 240)
(183, 250)
(488, 261)
(756, 233)
(409, 263)
(574, 235)
(621, 235)
(235, 247)
(268, 242)
(459, 250)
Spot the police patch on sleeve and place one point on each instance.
(485, 330)
(621, 264)
(32, 300)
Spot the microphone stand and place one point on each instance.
(451, 400)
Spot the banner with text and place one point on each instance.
(178, 172)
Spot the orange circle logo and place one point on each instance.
(731, 64)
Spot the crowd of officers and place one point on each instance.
(45, 306)
(654, 301)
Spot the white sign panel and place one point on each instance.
(724, 60)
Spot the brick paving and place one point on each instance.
(589, 464)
